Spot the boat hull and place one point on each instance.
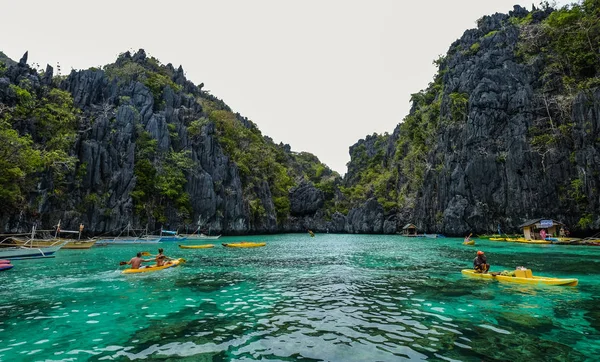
(68, 244)
(27, 252)
(172, 238)
(200, 237)
(535, 280)
(129, 241)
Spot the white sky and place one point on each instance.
(316, 74)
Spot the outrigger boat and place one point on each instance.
(171, 236)
(208, 237)
(129, 240)
(197, 235)
(28, 250)
(70, 243)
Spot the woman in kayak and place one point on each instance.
(480, 263)
(161, 258)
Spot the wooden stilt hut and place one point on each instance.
(532, 228)
(409, 230)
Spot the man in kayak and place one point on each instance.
(480, 263)
(136, 261)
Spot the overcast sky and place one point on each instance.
(318, 75)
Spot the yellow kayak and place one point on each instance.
(244, 244)
(205, 246)
(526, 241)
(498, 239)
(533, 280)
(169, 264)
(471, 242)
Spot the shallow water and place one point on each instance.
(332, 298)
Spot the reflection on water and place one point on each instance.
(333, 298)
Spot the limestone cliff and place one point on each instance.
(151, 148)
(508, 130)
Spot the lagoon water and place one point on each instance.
(327, 298)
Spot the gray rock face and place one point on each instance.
(366, 219)
(390, 224)
(305, 199)
(6, 60)
(119, 105)
(338, 223)
(487, 170)
(89, 87)
(21, 72)
(494, 173)
(113, 113)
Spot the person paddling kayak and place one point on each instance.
(161, 258)
(136, 261)
(480, 263)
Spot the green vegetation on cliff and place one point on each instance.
(160, 180)
(260, 160)
(257, 159)
(37, 131)
(395, 179)
(375, 177)
(152, 74)
(565, 43)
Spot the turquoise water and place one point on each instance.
(332, 298)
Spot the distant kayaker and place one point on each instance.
(467, 238)
(480, 263)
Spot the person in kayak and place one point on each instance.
(480, 263)
(137, 261)
(467, 239)
(161, 258)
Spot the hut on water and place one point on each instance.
(533, 227)
(409, 230)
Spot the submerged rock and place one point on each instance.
(489, 345)
(525, 321)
